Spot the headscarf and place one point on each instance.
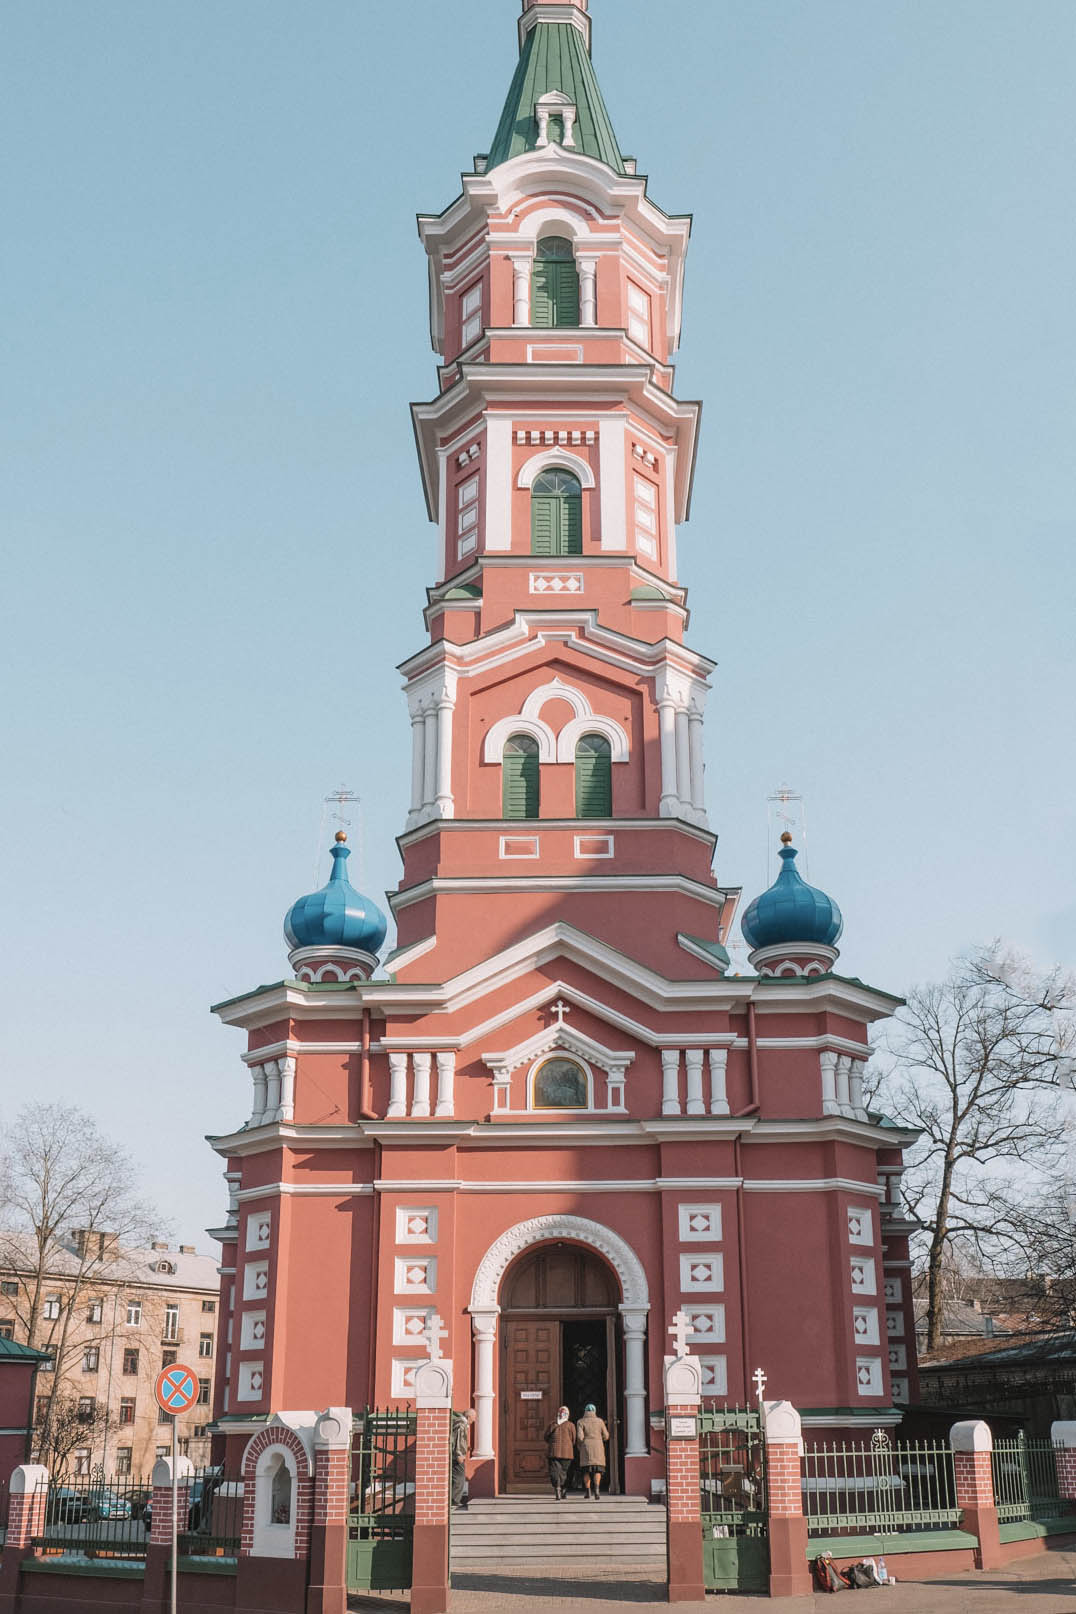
(562, 1414)
(590, 1407)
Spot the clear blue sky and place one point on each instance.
(214, 318)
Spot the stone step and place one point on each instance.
(528, 1532)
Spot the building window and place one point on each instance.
(52, 1308)
(91, 1359)
(205, 1344)
(593, 777)
(163, 1451)
(560, 1084)
(41, 1408)
(162, 1416)
(467, 515)
(94, 1311)
(555, 284)
(127, 1410)
(82, 1461)
(171, 1322)
(204, 1387)
(200, 1430)
(7, 1328)
(134, 1313)
(9, 1287)
(556, 514)
(471, 315)
(520, 777)
(123, 1459)
(638, 315)
(87, 1406)
(209, 1305)
(169, 1358)
(130, 1361)
(184, 1447)
(646, 517)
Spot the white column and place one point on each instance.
(257, 1114)
(272, 1090)
(446, 1079)
(693, 1061)
(634, 1382)
(287, 1089)
(719, 1103)
(521, 291)
(484, 1324)
(397, 1084)
(588, 290)
(828, 1061)
(667, 718)
(445, 805)
(698, 788)
(844, 1096)
(418, 761)
(683, 758)
(429, 755)
(420, 1098)
(855, 1087)
(670, 1081)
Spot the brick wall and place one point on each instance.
(974, 1479)
(682, 1479)
(783, 1479)
(332, 1474)
(1065, 1458)
(160, 1534)
(433, 1465)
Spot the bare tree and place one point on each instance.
(66, 1424)
(977, 1064)
(69, 1206)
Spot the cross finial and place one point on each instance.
(680, 1331)
(560, 1009)
(759, 1379)
(435, 1331)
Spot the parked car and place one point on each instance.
(101, 1503)
(65, 1506)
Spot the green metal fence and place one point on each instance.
(381, 1523)
(882, 1488)
(1025, 1480)
(732, 1477)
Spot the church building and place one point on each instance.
(553, 1118)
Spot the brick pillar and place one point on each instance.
(433, 1479)
(1063, 1436)
(972, 1445)
(27, 1499)
(159, 1546)
(789, 1572)
(683, 1399)
(327, 1592)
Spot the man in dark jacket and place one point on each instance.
(560, 1438)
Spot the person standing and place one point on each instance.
(560, 1438)
(461, 1447)
(591, 1437)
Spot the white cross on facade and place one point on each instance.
(759, 1379)
(560, 1009)
(435, 1331)
(680, 1331)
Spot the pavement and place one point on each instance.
(1044, 1584)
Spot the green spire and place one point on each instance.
(555, 57)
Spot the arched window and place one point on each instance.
(560, 1084)
(519, 777)
(555, 284)
(556, 514)
(593, 777)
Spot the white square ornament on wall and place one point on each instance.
(416, 1275)
(700, 1224)
(416, 1224)
(702, 1273)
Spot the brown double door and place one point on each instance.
(556, 1350)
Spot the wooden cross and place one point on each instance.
(560, 1009)
(759, 1379)
(435, 1331)
(680, 1331)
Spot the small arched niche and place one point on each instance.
(275, 1490)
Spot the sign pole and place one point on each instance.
(175, 1512)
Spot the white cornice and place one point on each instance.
(812, 1185)
(560, 1185)
(442, 885)
(459, 826)
(572, 629)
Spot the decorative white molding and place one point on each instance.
(543, 1229)
(560, 459)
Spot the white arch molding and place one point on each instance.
(485, 1310)
(555, 459)
(552, 747)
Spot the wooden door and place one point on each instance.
(530, 1395)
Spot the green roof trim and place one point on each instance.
(11, 1351)
(714, 948)
(555, 57)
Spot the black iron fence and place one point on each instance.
(99, 1516)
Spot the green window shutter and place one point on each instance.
(519, 778)
(545, 523)
(565, 295)
(542, 294)
(593, 778)
(571, 524)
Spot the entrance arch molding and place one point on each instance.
(485, 1309)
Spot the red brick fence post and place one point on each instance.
(155, 1585)
(1063, 1435)
(27, 1500)
(433, 1480)
(683, 1400)
(972, 1445)
(790, 1575)
(327, 1592)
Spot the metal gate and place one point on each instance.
(381, 1520)
(732, 1465)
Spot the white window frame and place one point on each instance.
(95, 1311)
(124, 1455)
(646, 497)
(640, 315)
(205, 1345)
(88, 1365)
(53, 1307)
(467, 515)
(134, 1314)
(471, 314)
(171, 1322)
(82, 1461)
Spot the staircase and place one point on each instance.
(511, 1533)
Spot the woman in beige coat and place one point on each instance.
(591, 1436)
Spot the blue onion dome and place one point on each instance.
(791, 912)
(337, 915)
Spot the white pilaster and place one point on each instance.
(827, 1059)
(420, 1099)
(634, 1381)
(257, 1114)
(418, 764)
(698, 787)
(670, 1081)
(719, 1103)
(693, 1061)
(484, 1324)
(272, 1090)
(683, 762)
(588, 290)
(521, 288)
(613, 476)
(498, 531)
(429, 776)
(667, 720)
(844, 1095)
(445, 804)
(446, 1079)
(397, 1084)
(855, 1087)
(287, 1089)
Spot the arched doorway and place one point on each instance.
(560, 1344)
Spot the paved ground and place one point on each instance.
(1045, 1584)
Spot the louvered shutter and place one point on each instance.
(571, 524)
(543, 284)
(545, 523)
(519, 781)
(593, 778)
(565, 294)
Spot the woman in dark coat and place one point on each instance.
(560, 1438)
(591, 1436)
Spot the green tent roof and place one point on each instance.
(10, 1351)
(555, 57)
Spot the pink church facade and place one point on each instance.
(552, 1117)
